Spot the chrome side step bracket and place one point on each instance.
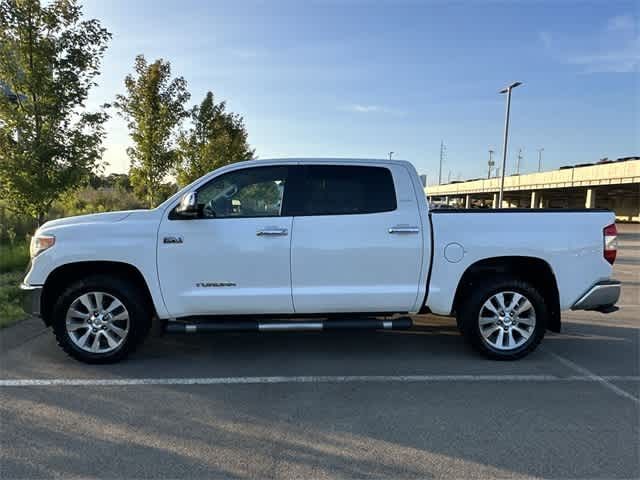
(401, 323)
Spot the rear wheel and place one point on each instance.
(100, 319)
(504, 318)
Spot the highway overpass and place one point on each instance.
(610, 184)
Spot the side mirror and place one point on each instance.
(188, 206)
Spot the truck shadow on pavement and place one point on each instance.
(297, 349)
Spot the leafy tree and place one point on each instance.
(166, 190)
(94, 200)
(154, 108)
(216, 138)
(49, 60)
(118, 181)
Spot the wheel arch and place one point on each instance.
(531, 269)
(63, 275)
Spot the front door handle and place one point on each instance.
(404, 229)
(272, 231)
(172, 240)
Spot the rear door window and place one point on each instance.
(343, 190)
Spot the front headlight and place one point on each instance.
(39, 243)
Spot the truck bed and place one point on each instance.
(569, 241)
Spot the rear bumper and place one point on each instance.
(31, 299)
(601, 297)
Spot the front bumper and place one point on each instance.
(601, 297)
(31, 296)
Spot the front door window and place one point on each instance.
(249, 193)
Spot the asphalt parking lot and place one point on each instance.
(381, 404)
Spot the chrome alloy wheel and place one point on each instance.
(507, 320)
(97, 322)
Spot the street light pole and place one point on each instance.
(506, 90)
(390, 154)
(491, 163)
(441, 157)
(519, 160)
(540, 150)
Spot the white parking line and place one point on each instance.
(604, 381)
(90, 382)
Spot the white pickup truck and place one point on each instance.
(316, 244)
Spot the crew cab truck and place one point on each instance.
(315, 244)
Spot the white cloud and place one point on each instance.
(367, 108)
(244, 53)
(622, 61)
(546, 38)
(618, 48)
(620, 22)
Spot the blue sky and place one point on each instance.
(362, 78)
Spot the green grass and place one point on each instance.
(14, 257)
(13, 262)
(10, 298)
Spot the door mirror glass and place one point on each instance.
(188, 206)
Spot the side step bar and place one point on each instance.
(401, 323)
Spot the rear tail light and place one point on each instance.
(610, 234)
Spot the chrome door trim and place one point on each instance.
(404, 229)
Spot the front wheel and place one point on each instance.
(100, 319)
(504, 318)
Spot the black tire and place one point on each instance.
(470, 309)
(127, 293)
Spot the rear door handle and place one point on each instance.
(404, 229)
(272, 231)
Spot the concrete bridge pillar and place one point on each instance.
(467, 201)
(543, 202)
(535, 196)
(590, 200)
(495, 201)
